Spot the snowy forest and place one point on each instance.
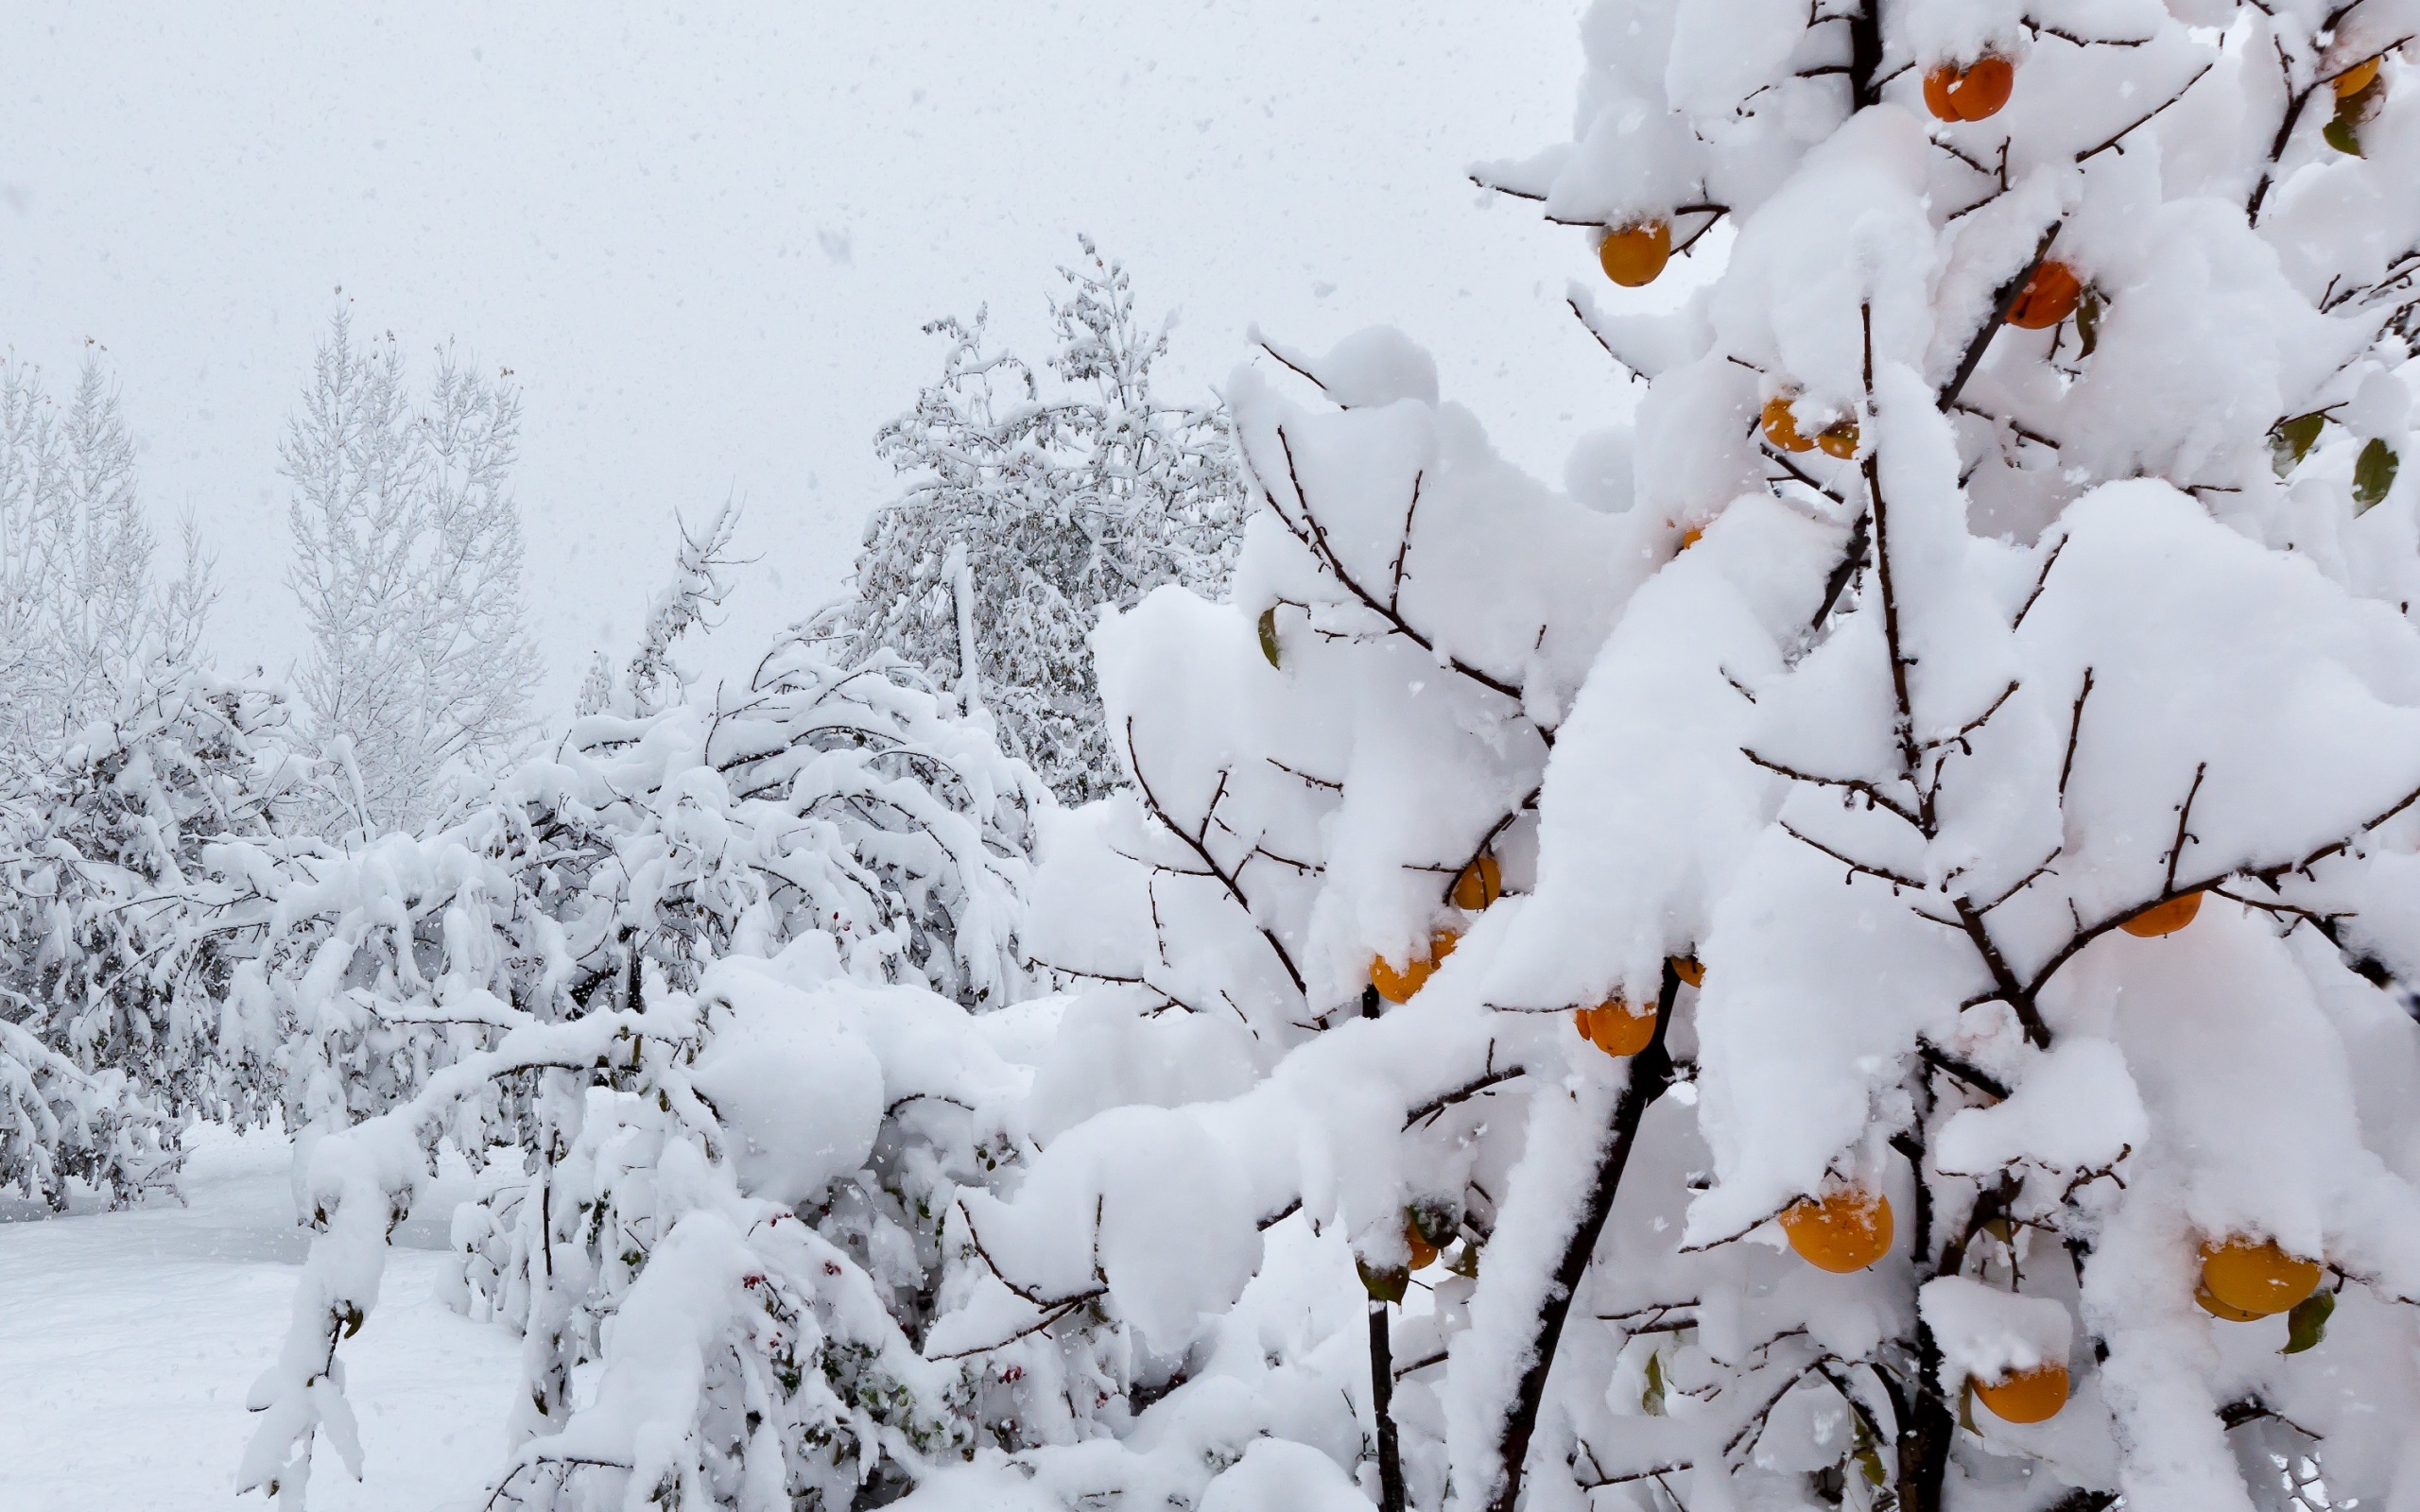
(1856, 951)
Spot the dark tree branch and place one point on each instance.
(1313, 534)
(1650, 1076)
(2092, 152)
(1854, 785)
(1852, 558)
(1879, 873)
(2075, 732)
(2040, 583)
(1194, 843)
(2002, 301)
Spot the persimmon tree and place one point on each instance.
(1946, 1041)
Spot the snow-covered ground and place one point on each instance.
(128, 1341)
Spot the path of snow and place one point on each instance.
(128, 1341)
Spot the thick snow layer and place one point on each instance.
(129, 1339)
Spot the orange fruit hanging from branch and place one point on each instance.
(2027, 1396)
(1397, 985)
(2049, 297)
(1634, 255)
(1974, 92)
(2356, 79)
(2164, 919)
(1614, 1029)
(2255, 1276)
(1478, 884)
(1844, 1231)
(1781, 426)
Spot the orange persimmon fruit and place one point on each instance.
(1781, 426)
(1634, 255)
(1843, 1231)
(1478, 884)
(2164, 919)
(2049, 297)
(2356, 79)
(1398, 984)
(2027, 1396)
(1613, 1028)
(1974, 92)
(2255, 1276)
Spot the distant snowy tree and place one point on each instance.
(1026, 514)
(653, 680)
(81, 614)
(408, 558)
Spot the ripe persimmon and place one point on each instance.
(2356, 79)
(1690, 538)
(1781, 426)
(1615, 1029)
(1689, 968)
(1398, 986)
(1839, 441)
(2164, 919)
(1974, 92)
(1634, 255)
(2027, 1396)
(1478, 884)
(2049, 297)
(1845, 1230)
(1424, 1254)
(2255, 1276)
(2221, 1311)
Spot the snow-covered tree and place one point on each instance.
(708, 975)
(81, 618)
(407, 560)
(1876, 975)
(653, 680)
(1026, 514)
(1961, 819)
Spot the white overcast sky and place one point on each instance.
(705, 240)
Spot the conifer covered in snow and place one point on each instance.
(408, 560)
(1028, 511)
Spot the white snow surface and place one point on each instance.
(128, 1340)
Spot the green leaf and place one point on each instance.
(2340, 135)
(1862, 1449)
(1652, 1399)
(2307, 1323)
(1268, 633)
(2291, 441)
(1382, 1285)
(2372, 474)
(2088, 308)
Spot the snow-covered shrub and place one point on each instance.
(1981, 609)
(122, 924)
(710, 973)
(1026, 514)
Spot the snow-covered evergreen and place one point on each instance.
(1026, 513)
